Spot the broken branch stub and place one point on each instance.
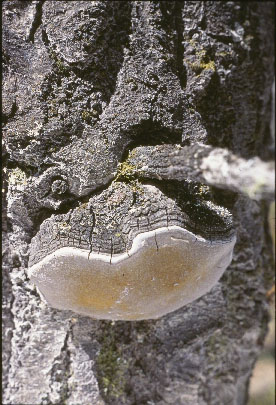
(213, 166)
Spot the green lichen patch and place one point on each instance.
(200, 61)
(208, 65)
(61, 68)
(88, 116)
(129, 174)
(200, 65)
(111, 366)
(216, 347)
(126, 172)
(17, 178)
(85, 115)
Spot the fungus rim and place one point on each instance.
(137, 244)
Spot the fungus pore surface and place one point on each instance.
(165, 269)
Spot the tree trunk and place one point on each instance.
(85, 84)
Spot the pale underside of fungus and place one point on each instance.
(165, 269)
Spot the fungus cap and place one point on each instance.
(165, 269)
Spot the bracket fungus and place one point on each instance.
(163, 269)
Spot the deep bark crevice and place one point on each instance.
(37, 21)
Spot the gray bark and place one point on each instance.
(87, 85)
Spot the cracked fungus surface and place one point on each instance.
(164, 270)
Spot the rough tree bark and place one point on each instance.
(85, 84)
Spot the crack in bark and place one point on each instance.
(37, 21)
(92, 229)
(182, 74)
(60, 371)
(8, 348)
(7, 117)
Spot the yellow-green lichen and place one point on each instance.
(199, 66)
(53, 107)
(202, 61)
(223, 53)
(59, 64)
(209, 65)
(17, 178)
(88, 115)
(53, 112)
(64, 227)
(192, 42)
(216, 347)
(129, 174)
(85, 115)
(132, 154)
(61, 67)
(111, 366)
(126, 171)
(82, 206)
(203, 191)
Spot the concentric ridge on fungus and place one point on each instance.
(165, 269)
